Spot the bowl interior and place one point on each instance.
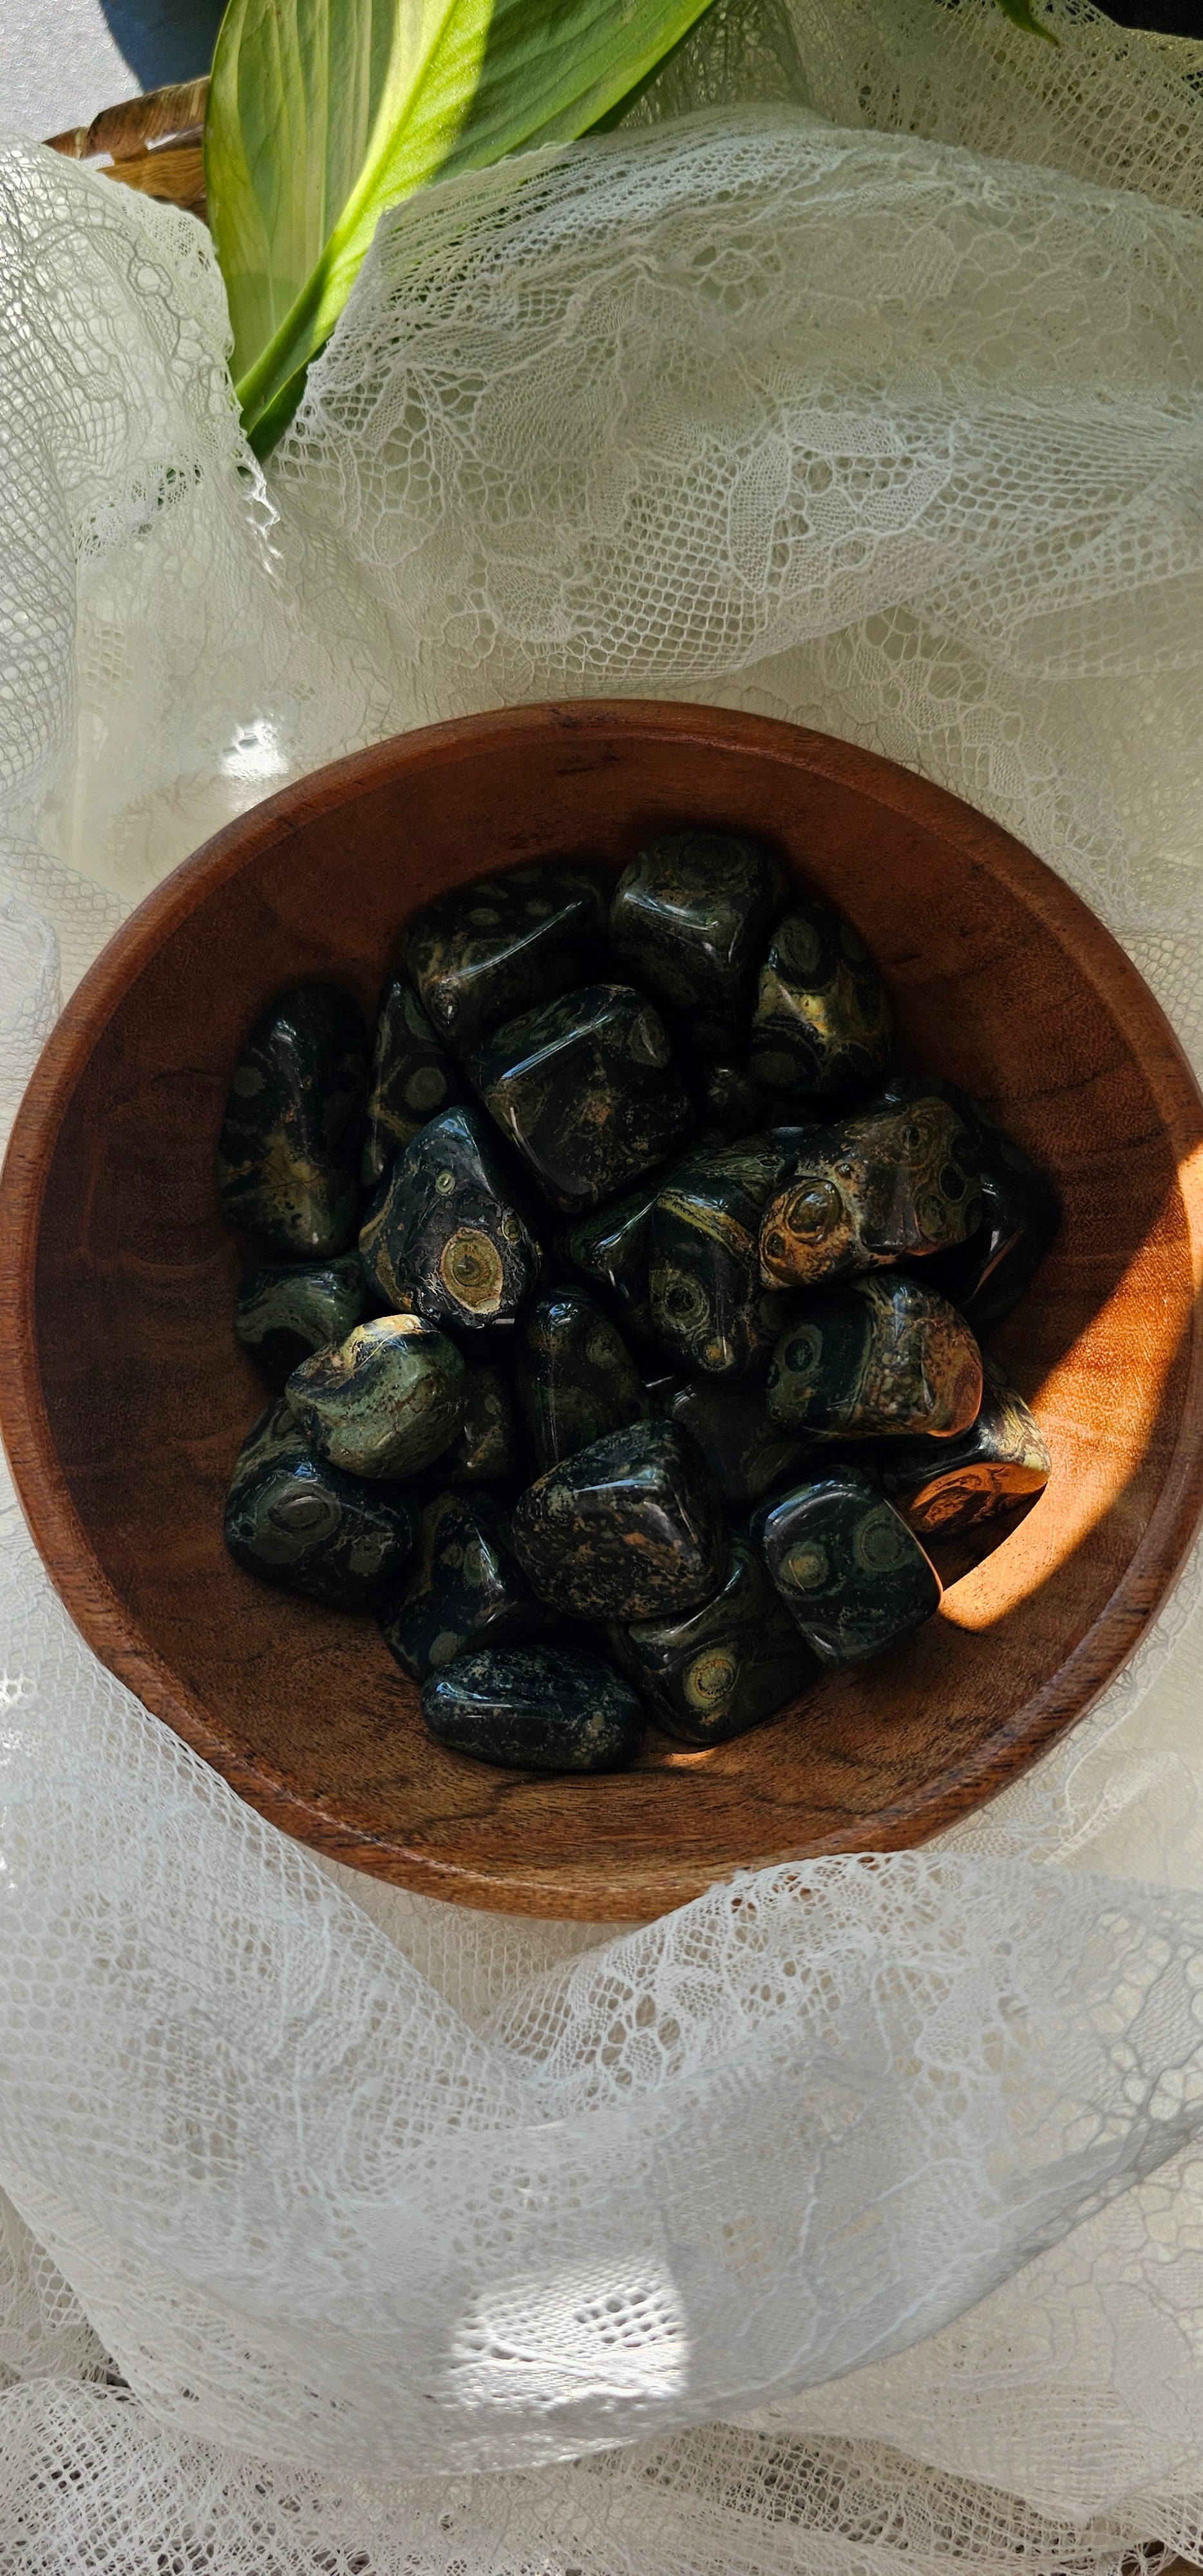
(125, 1393)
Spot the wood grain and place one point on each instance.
(124, 1394)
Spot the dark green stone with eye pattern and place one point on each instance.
(690, 917)
(883, 1357)
(1021, 1214)
(849, 1570)
(941, 1486)
(746, 1453)
(288, 1155)
(730, 1103)
(723, 1668)
(821, 1022)
(464, 1588)
(412, 1078)
(631, 1528)
(898, 1181)
(610, 1248)
(301, 1524)
(587, 1091)
(445, 1233)
(384, 1402)
(709, 1305)
(282, 1313)
(490, 1447)
(493, 949)
(577, 1377)
(534, 1708)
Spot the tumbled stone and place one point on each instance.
(883, 1356)
(576, 1376)
(446, 1234)
(746, 1453)
(534, 1708)
(296, 1521)
(610, 1248)
(900, 1179)
(587, 1091)
(987, 1274)
(821, 1022)
(849, 1570)
(731, 1103)
(720, 1669)
(413, 1077)
(384, 1402)
(631, 1528)
(941, 1486)
(690, 917)
(282, 1313)
(708, 1303)
(288, 1155)
(490, 1447)
(493, 949)
(465, 1587)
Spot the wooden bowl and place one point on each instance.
(124, 1394)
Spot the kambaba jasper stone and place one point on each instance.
(466, 1587)
(708, 1303)
(490, 1446)
(631, 1528)
(689, 918)
(941, 1486)
(897, 1181)
(1021, 1214)
(611, 1247)
(446, 1234)
(534, 1708)
(492, 949)
(288, 1155)
(587, 1091)
(745, 1451)
(385, 1401)
(283, 1312)
(721, 1669)
(850, 1572)
(413, 1077)
(884, 1356)
(296, 1521)
(821, 1024)
(577, 1377)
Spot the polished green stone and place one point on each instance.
(491, 1447)
(587, 1091)
(847, 1567)
(897, 1181)
(296, 1521)
(721, 1669)
(493, 949)
(384, 1402)
(465, 1587)
(282, 1313)
(821, 1023)
(534, 1708)
(730, 1103)
(576, 1376)
(413, 1077)
(883, 1356)
(708, 1303)
(1021, 1214)
(446, 1235)
(610, 1248)
(690, 918)
(288, 1155)
(941, 1486)
(746, 1453)
(631, 1528)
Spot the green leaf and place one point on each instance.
(1020, 14)
(323, 113)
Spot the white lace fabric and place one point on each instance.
(850, 2219)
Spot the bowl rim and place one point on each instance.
(49, 1510)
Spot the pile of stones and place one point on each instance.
(622, 1305)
